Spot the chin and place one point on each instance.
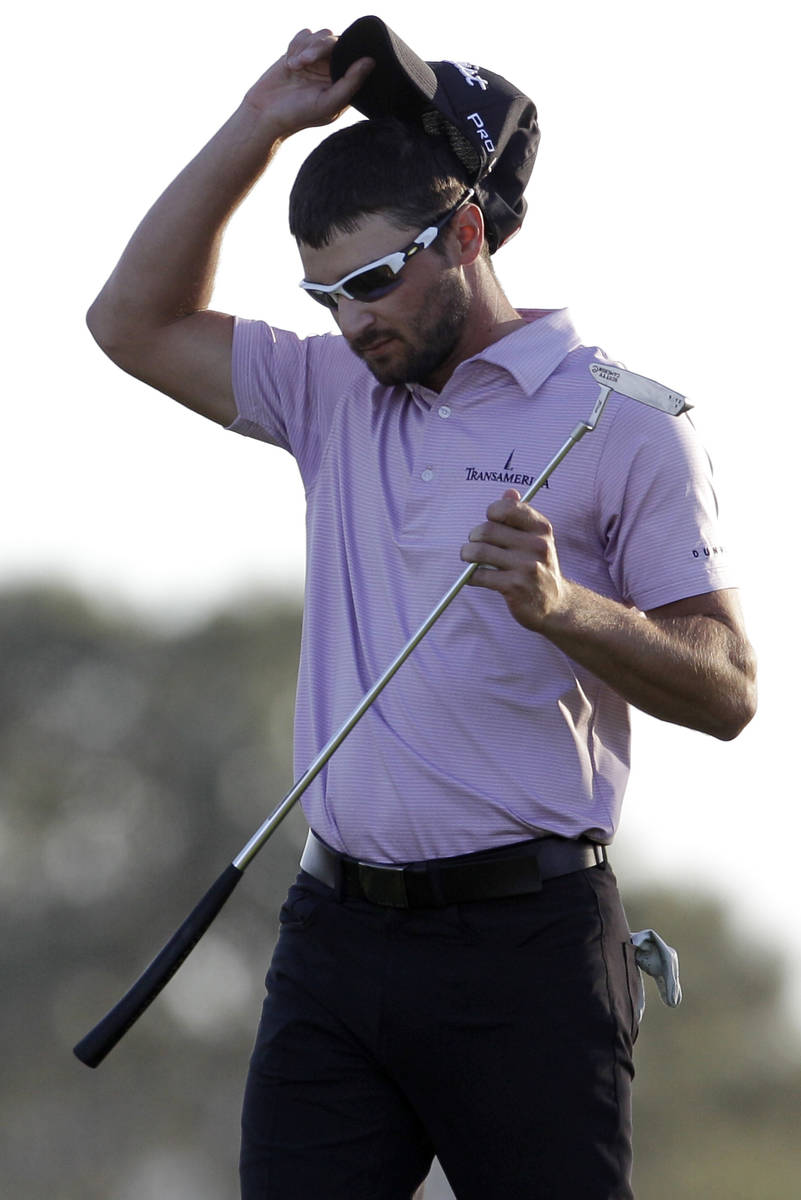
(391, 371)
(432, 340)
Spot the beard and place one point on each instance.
(432, 335)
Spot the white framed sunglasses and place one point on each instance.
(377, 278)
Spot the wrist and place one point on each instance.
(260, 123)
(254, 125)
(563, 616)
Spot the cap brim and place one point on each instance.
(401, 84)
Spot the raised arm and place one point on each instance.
(152, 317)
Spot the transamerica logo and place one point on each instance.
(506, 475)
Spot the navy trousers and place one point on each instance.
(497, 1035)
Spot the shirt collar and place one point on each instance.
(532, 353)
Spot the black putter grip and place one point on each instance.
(104, 1037)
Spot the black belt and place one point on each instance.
(489, 875)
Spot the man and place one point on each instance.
(481, 1003)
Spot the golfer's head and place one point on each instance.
(386, 227)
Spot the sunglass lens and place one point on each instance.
(327, 299)
(370, 285)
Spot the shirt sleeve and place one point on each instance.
(284, 388)
(659, 510)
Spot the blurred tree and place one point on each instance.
(133, 766)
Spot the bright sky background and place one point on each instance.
(663, 210)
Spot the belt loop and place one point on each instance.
(601, 859)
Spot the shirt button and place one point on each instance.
(427, 475)
(444, 411)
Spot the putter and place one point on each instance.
(94, 1047)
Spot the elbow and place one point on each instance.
(100, 326)
(119, 338)
(737, 695)
(738, 711)
(738, 720)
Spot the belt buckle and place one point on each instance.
(385, 885)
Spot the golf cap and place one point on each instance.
(491, 126)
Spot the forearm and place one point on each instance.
(694, 670)
(167, 269)
(152, 317)
(688, 662)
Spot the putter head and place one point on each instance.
(637, 387)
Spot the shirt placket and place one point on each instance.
(429, 477)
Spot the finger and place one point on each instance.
(346, 88)
(508, 507)
(492, 534)
(307, 47)
(507, 510)
(509, 501)
(507, 535)
(514, 513)
(332, 99)
(486, 576)
(487, 555)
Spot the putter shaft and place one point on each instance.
(94, 1047)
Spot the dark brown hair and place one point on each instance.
(381, 166)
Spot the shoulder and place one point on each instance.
(276, 365)
(258, 344)
(288, 388)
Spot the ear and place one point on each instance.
(468, 226)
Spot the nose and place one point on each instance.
(354, 318)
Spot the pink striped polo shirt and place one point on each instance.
(488, 734)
